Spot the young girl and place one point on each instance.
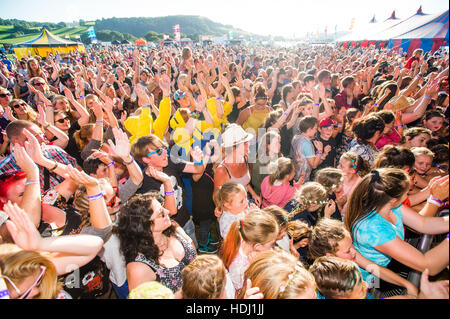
(276, 188)
(300, 233)
(256, 232)
(231, 199)
(332, 179)
(354, 167)
(330, 238)
(423, 163)
(279, 275)
(204, 278)
(307, 203)
(376, 218)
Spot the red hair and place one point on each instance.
(7, 180)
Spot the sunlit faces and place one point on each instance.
(345, 249)
(310, 133)
(326, 132)
(275, 146)
(388, 128)
(423, 164)
(308, 109)
(160, 218)
(15, 192)
(19, 107)
(157, 159)
(62, 122)
(420, 140)
(346, 166)
(434, 124)
(238, 203)
(29, 286)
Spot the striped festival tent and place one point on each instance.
(46, 43)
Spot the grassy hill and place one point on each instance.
(6, 33)
(131, 28)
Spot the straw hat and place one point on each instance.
(235, 135)
(399, 103)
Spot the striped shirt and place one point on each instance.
(9, 164)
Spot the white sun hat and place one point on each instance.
(235, 135)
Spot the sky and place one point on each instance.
(265, 17)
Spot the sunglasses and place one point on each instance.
(28, 292)
(62, 120)
(16, 106)
(159, 151)
(5, 94)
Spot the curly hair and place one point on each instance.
(134, 229)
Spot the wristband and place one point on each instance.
(400, 125)
(95, 197)
(375, 104)
(427, 97)
(81, 96)
(129, 163)
(436, 199)
(32, 183)
(99, 121)
(432, 201)
(322, 158)
(319, 153)
(198, 163)
(316, 104)
(169, 193)
(286, 114)
(110, 164)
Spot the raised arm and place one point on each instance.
(68, 252)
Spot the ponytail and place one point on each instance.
(231, 244)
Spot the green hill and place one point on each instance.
(15, 31)
(189, 25)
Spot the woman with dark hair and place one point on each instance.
(367, 131)
(254, 116)
(155, 247)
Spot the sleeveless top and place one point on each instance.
(171, 277)
(256, 119)
(244, 180)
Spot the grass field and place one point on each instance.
(7, 30)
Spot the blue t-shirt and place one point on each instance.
(374, 231)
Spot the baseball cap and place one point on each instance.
(326, 122)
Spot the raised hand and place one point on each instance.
(164, 84)
(122, 146)
(33, 147)
(330, 208)
(24, 161)
(197, 154)
(200, 103)
(440, 187)
(21, 228)
(319, 146)
(81, 178)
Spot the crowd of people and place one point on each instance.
(224, 173)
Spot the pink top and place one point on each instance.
(278, 195)
(385, 139)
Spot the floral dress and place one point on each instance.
(171, 277)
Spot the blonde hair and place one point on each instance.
(151, 290)
(311, 193)
(330, 178)
(226, 192)
(204, 278)
(417, 151)
(298, 229)
(257, 227)
(281, 216)
(325, 237)
(32, 115)
(280, 169)
(279, 275)
(18, 264)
